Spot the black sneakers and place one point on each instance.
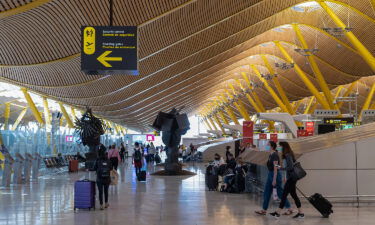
(275, 214)
(299, 216)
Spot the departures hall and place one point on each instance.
(187, 112)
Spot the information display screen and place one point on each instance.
(340, 121)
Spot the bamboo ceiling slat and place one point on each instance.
(188, 51)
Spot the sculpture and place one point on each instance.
(172, 125)
(89, 128)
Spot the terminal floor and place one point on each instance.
(160, 200)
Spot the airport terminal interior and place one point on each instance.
(187, 112)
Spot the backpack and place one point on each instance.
(104, 170)
(137, 155)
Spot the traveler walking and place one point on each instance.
(114, 157)
(273, 180)
(152, 151)
(291, 183)
(103, 179)
(137, 158)
(122, 152)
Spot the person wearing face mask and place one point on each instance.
(218, 160)
(273, 180)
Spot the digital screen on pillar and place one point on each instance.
(340, 121)
(107, 50)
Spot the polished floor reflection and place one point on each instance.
(160, 200)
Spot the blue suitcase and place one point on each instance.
(84, 194)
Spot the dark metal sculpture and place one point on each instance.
(89, 128)
(172, 125)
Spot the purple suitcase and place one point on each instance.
(84, 194)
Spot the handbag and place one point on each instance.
(298, 172)
(114, 177)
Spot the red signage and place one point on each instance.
(262, 136)
(310, 128)
(248, 131)
(302, 133)
(273, 137)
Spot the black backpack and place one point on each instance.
(137, 155)
(104, 170)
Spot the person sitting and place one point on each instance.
(229, 172)
(231, 162)
(218, 160)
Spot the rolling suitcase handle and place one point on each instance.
(303, 194)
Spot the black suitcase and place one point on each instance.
(142, 176)
(212, 182)
(211, 177)
(320, 203)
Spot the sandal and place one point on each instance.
(288, 212)
(261, 212)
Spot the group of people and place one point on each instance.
(236, 167)
(116, 155)
(229, 169)
(275, 180)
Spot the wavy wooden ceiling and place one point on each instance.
(189, 49)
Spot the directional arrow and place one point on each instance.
(103, 59)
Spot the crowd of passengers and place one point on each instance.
(233, 171)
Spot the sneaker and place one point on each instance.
(106, 205)
(299, 216)
(275, 214)
(261, 212)
(101, 207)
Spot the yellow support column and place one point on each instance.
(229, 111)
(255, 96)
(270, 90)
(19, 119)
(221, 114)
(307, 110)
(66, 115)
(314, 66)
(219, 123)
(251, 100)
(362, 50)
(347, 93)
(32, 106)
(207, 124)
(47, 114)
(73, 112)
(239, 104)
(6, 116)
(303, 77)
(298, 104)
(313, 107)
(278, 85)
(367, 103)
(212, 122)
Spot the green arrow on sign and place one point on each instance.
(103, 59)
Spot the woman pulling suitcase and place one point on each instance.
(291, 183)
